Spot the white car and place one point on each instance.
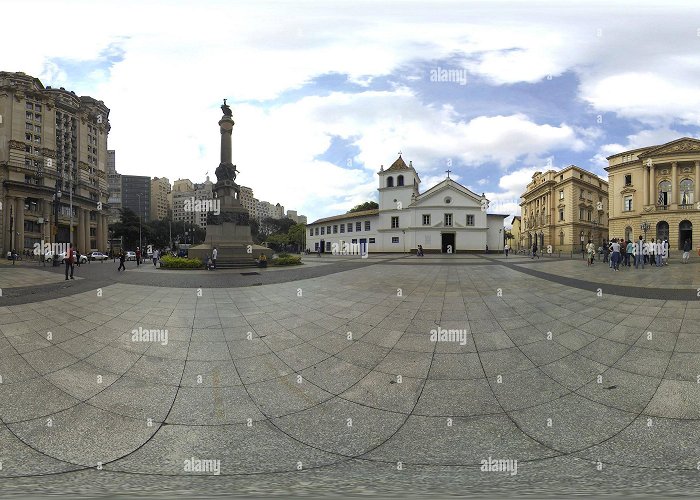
(62, 257)
(130, 256)
(97, 256)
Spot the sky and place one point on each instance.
(325, 92)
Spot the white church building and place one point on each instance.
(447, 218)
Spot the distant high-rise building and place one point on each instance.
(249, 202)
(51, 141)
(278, 211)
(114, 188)
(160, 189)
(185, 195)
(136, 195)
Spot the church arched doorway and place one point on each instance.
(662, 230)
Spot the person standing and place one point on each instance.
(155, 257)
(122, 258)
(590, 250)
(77, 257)
(506, 249)
(615, 254)
(534, 250)
(606, 251)
(628, 255)
(138, 256)
(686, 251)
(659, 249)
(639, 248)
(664, 252)
(69, 261)
(652, 252)
(214, 254)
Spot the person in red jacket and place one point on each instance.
(69, 261)
(138, 256)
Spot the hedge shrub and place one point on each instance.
(169, 262)
(292, 260)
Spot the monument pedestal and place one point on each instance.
(228, 228)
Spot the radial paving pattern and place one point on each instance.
(317, 372)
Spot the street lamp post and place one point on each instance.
(57, 200)
(644, 226)
(139, 196)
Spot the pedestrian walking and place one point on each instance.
(156, 253)
(138, 256)
(686, 251)
(506, 249)
(651, 251)
(69, 261)
(534, 250)
(214, 254)
(77, 258)
(606, 252)
(122, 258)
(664, 252)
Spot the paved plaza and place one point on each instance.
(392, 375)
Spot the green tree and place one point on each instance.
(296, 235)
(128, 228)
(368, 205)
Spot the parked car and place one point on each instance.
(97, 256)
(131, 256)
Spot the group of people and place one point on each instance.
(122, 258)
(620, 252)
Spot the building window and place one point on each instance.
(582, 192)
(335, 228)
(349, 227)
(342, 228)
(664, 193)
(394, 239)
(353, 241)
(561, 238)
(589, 216)
(394, 222)
(367, 226)
(316, 246)
(358, 226)
(311, 232)
(328, 246)
(426, 219)
(470, 220)
(390, 181)
(686, 192)
(323, 231)
(580, 214)
(628, 179)
(561, 194)
(328, 229)
(627, 204)
(561, 214)
(371, 240)
(448, 219)
(399, 180)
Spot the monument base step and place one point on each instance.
(235, 264)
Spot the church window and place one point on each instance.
(390, 181)
(367, 226)
(358, 226)
(394, 222)
(328, 229)
(371, 240)
(349, 227)
(561, 194)
(342, 228)
(561, 214)
(426, 219)
(448, 219)
(323, 231)
(399, 180)
(328, 246)
(394, 239)
(470, 220)
(335, 228)
(311, 232)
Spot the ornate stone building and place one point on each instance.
(657, 185)
(52, 143)
(563, 210)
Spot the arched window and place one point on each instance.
(686, 192)
(662, 230)
(561, 238)
(389, 181)
(628, 233)
(399, 180)
(664, 193)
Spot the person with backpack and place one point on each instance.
(122, 258)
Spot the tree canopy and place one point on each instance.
(368, 205)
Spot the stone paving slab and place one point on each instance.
(342, 384)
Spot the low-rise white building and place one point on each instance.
(447, 218)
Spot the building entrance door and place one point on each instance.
(448, 242)
(685, 232)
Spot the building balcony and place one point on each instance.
(687, 206)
